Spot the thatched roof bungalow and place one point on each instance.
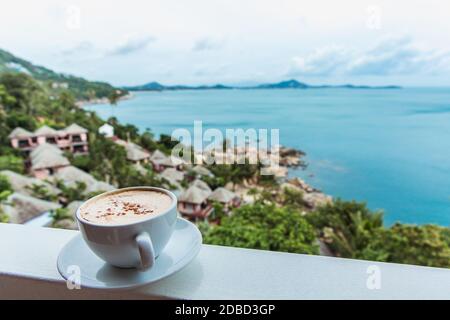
(193, 202)
(202, 171)
(21, 208)
(45, 148)
(160, 161)
(70, 175)
(172, 175)
(226, 197)
(135, 153)
(23, 184)
(20, 133)
(201, 185)
(46, 160)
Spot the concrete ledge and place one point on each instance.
(28, 271)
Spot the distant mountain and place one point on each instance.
(288, 84)
(151, 86)
(156, 86)
(352, 86)
(81, 88)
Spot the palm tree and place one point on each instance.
(348, 227)
(114, 97)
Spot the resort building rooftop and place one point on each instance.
(45, 131)
(48, 160)
(135, 153)
(45, 148)
(172, 175)
(24, 185)
(193, 202)
(70, 175)
(202, 171)
(20, 133)
(222, 195)
(194, 195)
(73, 138)
(74, 129)
(21, 208)
(202, 185)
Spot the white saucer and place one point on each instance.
(182, 248)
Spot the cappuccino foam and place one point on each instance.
(125, 206)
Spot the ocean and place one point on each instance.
(389, 148)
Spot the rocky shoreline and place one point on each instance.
(289, 158)
(313, 197)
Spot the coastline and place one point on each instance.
(289, 158)
(96, 101)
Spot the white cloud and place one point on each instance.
(398, 56)
(323, 61)
(205, 44)
(390, 56)
(256, 38)
(82, 47)
(207, 70)
(131, 45)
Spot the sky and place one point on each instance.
(234, 42)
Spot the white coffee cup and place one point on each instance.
(131, 245)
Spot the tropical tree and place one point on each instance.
(267, 195)
(41, 191)
(348, 227)
(265, 227)
(114, 97)
(425, 245)
(213, 182)
(59, 216)
(124, 132)
(5, 192)
(11, 162)
(28, 95)
(166, 142)
(66, 100)
(147, 141)
(19, 119)
(235, 173)
(293, 198)
(218, 212)
(72, 193)
(5, 97)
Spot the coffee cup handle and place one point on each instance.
(146, 251)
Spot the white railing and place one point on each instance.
(28, 270)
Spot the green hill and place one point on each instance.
(81, 88)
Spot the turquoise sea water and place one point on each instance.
(390, 148)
